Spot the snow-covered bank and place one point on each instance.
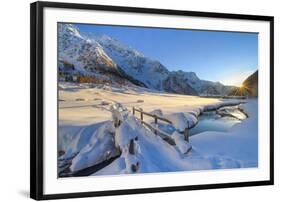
(100, 147)
(236, 148)
(86, 132)
(189, 119)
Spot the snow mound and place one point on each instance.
(181, 143)
(73, 138)
(126, 132)
(100, 147)
(157, 112)
(119, 112)
(182, 120)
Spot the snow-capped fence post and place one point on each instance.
(155, 119)
(186, 134)
(141, 114)
(117, 123)
(131, 147)
(118, 113)
(131, 150)
(135, 167)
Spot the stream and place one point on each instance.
(218, 120)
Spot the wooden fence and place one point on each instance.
(156, 118)
(156, 130)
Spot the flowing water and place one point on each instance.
(221, 120)
(217, 120)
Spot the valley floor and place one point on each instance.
(88, 137)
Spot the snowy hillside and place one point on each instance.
(150, 72)
(202, 87)
(108, 60)
(80, 56)
(179, 83)
(83, 54)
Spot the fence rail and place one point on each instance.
(156, 118)
(156, 130)
(160, 133)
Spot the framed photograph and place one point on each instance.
(136, 100)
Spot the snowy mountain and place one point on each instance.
(80, 56)
(105, 59)
(148, 71)
(83, 54)
(202, 87)
(177, 83)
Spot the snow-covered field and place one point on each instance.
(87, 135)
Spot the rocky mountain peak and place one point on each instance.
(92, 54)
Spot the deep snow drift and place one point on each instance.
(87, 135)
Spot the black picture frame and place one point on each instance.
(37, 101)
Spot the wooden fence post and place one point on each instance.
(155, 121)
(186, 134)
(133, 110)
(132, 147)
(134, 167)
(141, 114)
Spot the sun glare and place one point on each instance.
(241, 90)
(236, 79)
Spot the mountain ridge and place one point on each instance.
(107, 58)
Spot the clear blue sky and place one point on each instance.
(228, 57)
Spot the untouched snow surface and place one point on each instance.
(87, 135)
(236, 148)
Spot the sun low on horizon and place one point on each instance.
(237, 79)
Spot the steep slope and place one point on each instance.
(202, 87)
(82, 54)
(214, 88)
(176, 83)
(77, 55)
(148, 71)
